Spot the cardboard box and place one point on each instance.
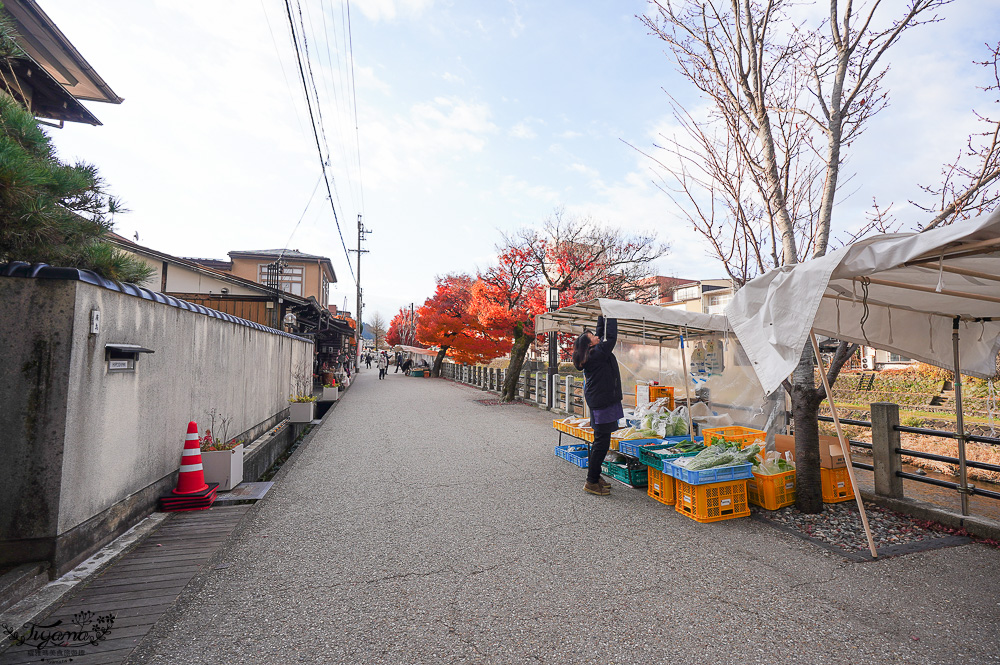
(830, 454)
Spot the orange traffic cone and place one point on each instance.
(192, 476)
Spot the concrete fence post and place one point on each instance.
(555, 391)
(538, 387)
(885, 442)
(568, 395)
(526, 385)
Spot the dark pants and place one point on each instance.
(381, 372)
(599, 449)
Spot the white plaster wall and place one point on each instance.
(182, 280)
(125, 430)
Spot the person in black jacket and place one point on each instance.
(603, 392)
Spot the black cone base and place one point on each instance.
(196, 501)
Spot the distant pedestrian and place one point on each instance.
(368, 361)
(383, 365)
(399, 361)
(603, 392)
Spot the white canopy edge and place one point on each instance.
(638, 324)
(897, 292)
(418, 351)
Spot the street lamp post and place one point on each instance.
(553, 352)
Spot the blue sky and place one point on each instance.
(473, 118)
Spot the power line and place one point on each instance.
(354, 95)
(319, 149)
(281, 64)
(301, 217)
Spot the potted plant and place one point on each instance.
(302, 408)
(221, 457)
(330, 392)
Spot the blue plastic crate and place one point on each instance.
(678, 439)
(719, 474)
(631, 447)
(574, 453)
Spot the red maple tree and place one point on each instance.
(505, 300)
(446, 322)
(402, 329)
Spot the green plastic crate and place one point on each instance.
(633, 477)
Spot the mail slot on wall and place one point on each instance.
(122, 357)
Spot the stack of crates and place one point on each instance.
(836, 481)
(661, 486)
(836, 485)
(716, 501)
(655, 393)
(772, 492)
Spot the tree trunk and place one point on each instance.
(805, 412)
(438, 361)
(517, 353)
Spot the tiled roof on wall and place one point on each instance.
(45, 271)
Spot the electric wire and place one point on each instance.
(354, 96)
(301, 217)
(319, 149)
(281, 64)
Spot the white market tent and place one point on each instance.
(930, 296)
(638, 324)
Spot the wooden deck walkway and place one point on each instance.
(137, 589)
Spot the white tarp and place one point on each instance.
(898, 292)
(640, 324)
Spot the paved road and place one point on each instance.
(418, 526)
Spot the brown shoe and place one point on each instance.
(603, 483)
(595, 488)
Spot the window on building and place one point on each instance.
(896, 358)
(717, 303)
(290, 279)
(326, 291)
(687, 293)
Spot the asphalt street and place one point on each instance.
(419, 526)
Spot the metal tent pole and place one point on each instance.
(659, 362)
(844, 445)
(963, 477)
(687, 380)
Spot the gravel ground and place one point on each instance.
(840, 525)
(417, 526)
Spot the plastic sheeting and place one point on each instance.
(898, 292)
(716, 370)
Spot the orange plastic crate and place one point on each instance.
(712, 502)
(772, 492)
(658, 392)
(660, 486)
(735, 434)
(836, 485)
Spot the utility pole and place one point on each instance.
(362, 231)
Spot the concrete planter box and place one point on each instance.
(224, 467)
(301, 412)
(330, 394)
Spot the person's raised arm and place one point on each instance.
(610, 334)
(600, 328)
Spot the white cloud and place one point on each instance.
(451, 78)
(517, 24)
(569, 134)
(522, 131)
(593, 174)
(421, 145)
(379, 10)
(514, 188)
